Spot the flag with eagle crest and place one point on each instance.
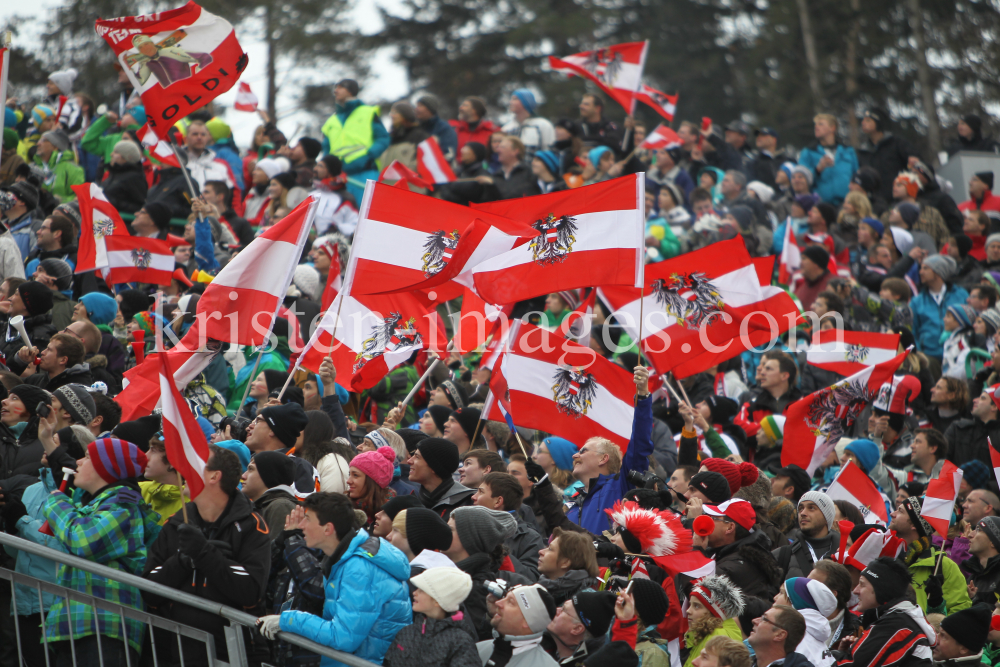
(617, 69)
(817, 422)
(135, 259)
(98, 219)
(564, 388)
(849, 352)
(665, 105)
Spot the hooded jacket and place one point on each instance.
(954, 588)
(750, 565)
(432, 642)
(928, 318)
(367, 601)
(78, 374)
(275, 506)
(813, 645)
(985, 579)
(833, 183)
(967, 439)
(165, 499)
(899, 636)
(61, 173)
(125, 187)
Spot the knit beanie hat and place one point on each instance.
(912, 506)
(101, 308)
(236, 447)
(441, 456)
(806, 593)
(10, 138)
(550, 160)
(561, 450)
(867, 452)
(31, 396)
(527, 99)
(429, 101)
(40, 113)
(910, 213)
(805, 202)
(37, 297)
(807, 172)
(116, 460)
(595, 154)
(274, 379)
(57, 138)
(26, 192)
(64, 78)
(738, 476)
(713, 485)
(147, 321)
(140, 431)
(275, 469)
(876, 225)
(270, 167)
(425, 529)
(991, 526)
(991, 318)
(963, 314)
(158, 212)
(987, 178)
(129, 150)
(306, 278)
(439, 414)
(60, 270)
(132, 302)
(333, 164)
(774, 427)
(969, 627)
(817, 255)
(828, 212)
(286, 178)
(455, 393)
(287, 421)
(651, 601)
(596, 610)
(377, 465)
(481, 530)
(467, 418)
(943, 265)
(902, 239)
(825, 505)
(888, 577)
(722, 409)
(77, 401)
(976, 474)
(720, 596)
(449, 586)
(394, 506)
(311, 147)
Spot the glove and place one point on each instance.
(536, 473)
(191, 541)
(224, 548)
(503, 651)
(610, 550)
(269, 626)
(935, 594)
(13, 510)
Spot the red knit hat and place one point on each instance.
(738, 476)
(116, 460)
(377, 465)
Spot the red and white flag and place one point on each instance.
(791, 258)
(178, 60)
(939, 498)
(334, 280)
(873, 544)
(617, 70)
(98, 219)
(407, 241)
(376, 333)
(594, 235)
(817, 422)
(4, 70)
(848, 352)
(431, 162)
(665, 105)
(245, 99)
(403, 176)
(133, 259)
(157, 148)
(579, 324)
(477, 321)
(565, 388)
(498, 397)
(994, 458)
(254, 283)
(857, 488)
(709, 300)
(183, 439)
(661, 137)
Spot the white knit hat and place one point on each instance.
(269, 166)
(64, 79)
(449, 586)
(306, 278)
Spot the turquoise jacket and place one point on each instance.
(833, 183)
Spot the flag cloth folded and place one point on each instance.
(403, 176)
(665, 105)
(617, 69)
(661, 137)
(245, 99)
(98, 219)
(477, 321)
(791, 259)
(938, 507)
(156, 148)
(849, 352)
(134, 259)
(857, 488)
(431, 162)
(183, 439)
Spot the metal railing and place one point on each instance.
(234, 633)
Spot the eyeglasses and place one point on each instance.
(764, 619)
(571, 615)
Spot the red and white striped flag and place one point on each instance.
(334, 281)
(245, 99)
(498, 396)
(849, 352)
(617, 70)
(255, 281)
(565, 388)
(661, 137)
(183, 439)
(403, 176)
(157, 148)
(939, 498)
(857, 488)
(791, 259)
(579, 324)
(133, 259)
(873, 544)
(817, 422)
(98, 219)
(994, 458)
(432, 164)
(665, 105)
(477, 321)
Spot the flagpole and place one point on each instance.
(642, 303)
(253, 374)
(184, 507)
(187, 176)
(333, 340)
(157, 327)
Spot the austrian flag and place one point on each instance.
(183, 438)
(157, 148)
(939, 498)
(133, 259)
(616, 69)
(661, 137)
(98, 219)
(849, 352)
(857, 488)
(432, 164)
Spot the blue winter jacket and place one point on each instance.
(833, 183)
(588, 510)
(928, 318)
(226, 150)
(367, 602)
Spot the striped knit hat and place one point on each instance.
(721, 597)
(774, 427)
(116, 460)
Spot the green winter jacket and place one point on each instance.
(389, 391)
(165, 499)
(61, 172)
(96, 142)
(730, 628)
(955, 589)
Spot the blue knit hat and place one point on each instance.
(551, 161)
(867, 453)
(975, 473)
(139, 113)
(595, 154)
(101, 308)
(236, 447)
(527, 100)
(875, 224)
(561, 451)
(964, 314)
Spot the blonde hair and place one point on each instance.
(728, 652)
(613, 452)
(703, 627)
(396, 442)
(827, 118)
(517, 144)
(860, 202)
(399, 523)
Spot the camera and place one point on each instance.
(43, 409)
(497, 589)
(647, 481)
(238, 427)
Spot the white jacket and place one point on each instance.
(813, 645)
(333, 470)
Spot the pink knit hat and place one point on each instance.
(377, 465)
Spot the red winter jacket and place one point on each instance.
(482, 132)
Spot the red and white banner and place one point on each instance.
(178, 60)
(617, 70)
(994, 459)
(98, 219)
(706, 301)
(791, 259)
(334, 281)
(133, 259)
(849, 352)
(477, 321)
(579, 324)
(661, 137)
(157, 148)
(857, 488)
(376, 333)
(939, 498)
(245, 99)
(594, 235)
(403, 176)
(565, 388)
(183, 439)
(255, 281)
(665, 105)
(817, 422)
(432, 164)
(873, 544)
(407, 241)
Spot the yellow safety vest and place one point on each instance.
(351, 140)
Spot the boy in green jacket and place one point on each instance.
(58, 164)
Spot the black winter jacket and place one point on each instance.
(172, 190)
(428, 642)
(750, 565)
(888, 157)
(78, 374)
(985, 579)
(479, 567)
(896, 634)
(39, 329)
(967, 439)
(125, 187)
